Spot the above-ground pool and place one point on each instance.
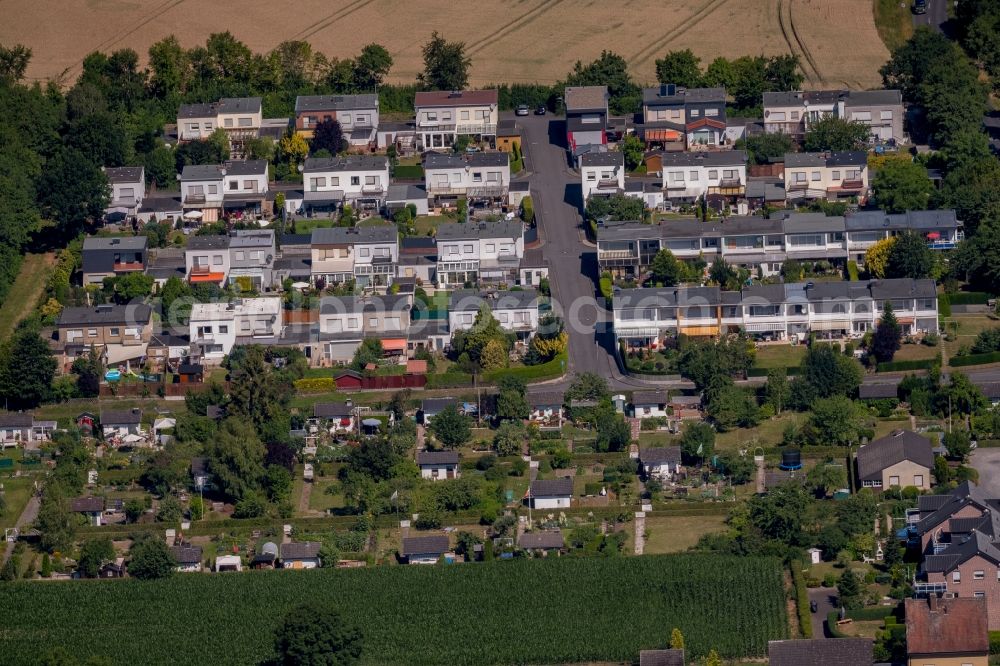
(113, 375)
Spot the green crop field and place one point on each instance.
(526, 611)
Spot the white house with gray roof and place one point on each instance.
(344, 321)
(479, 251)
(357, 115)
(477, 176)
(105, 256)
(128, 189)
(602, 174)
(361, 181)
(240, 117)
(368, 255)
(686, 177)
(643, 318)
(795, 112)
(517, 311)
(826, 175)
(236, 186)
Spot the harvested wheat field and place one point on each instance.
(508, 40)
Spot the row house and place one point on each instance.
(644, 318)
(128, 189)
(368, 255)
(479, 251)
(361, 181)
(626, 249)
(959, 540)
(252, 254)
(105, 257)
(345, 321)
(602, 174)
(516, 311)
(827, 175)
(794, 112)
(677, 119)
(357, 115)
(586, 116)
(215, 328)
(238, 186)
(687, 177)
(443, 116)
(207, 260)
(480, 177)
(119, 333)
(240, 117)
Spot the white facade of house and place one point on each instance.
(439, 471)
(650, 410)
(476, 175)
(516, 311)
(467, 252)
(690, 176)
(207, 259)
(239, 183)
(215, 327)
(602, 174)
(442, 116)
(351, 179)
(202, 189)
(128, 189)
(561, 502)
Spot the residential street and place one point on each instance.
(987, 463)
(555, 190)
(936, 16)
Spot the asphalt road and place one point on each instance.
(937, 14)
(555, 191)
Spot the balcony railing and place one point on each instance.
(125, 266)
(616, 254)
(372, 189)
(201, 270)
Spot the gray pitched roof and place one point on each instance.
(353, 304)
(435, 405)
(208, 242)
(667, 455)
(127, 243)
(658, 397)
(976, 544)
(878, 390)
(186, 554)
(658, 95)
(102, 315)
(720, 158)
(329, 410)
(608, 159)
(433, 160)
(437, 457)
(347, 163)
(201, 172)
(551, 488)
(542, 539)
(87, 505)
(887, 451)
(240, 105)
(478, 230)
(586, 98)
(246, 167)
(121, 416)
(251, 238)
(129, 174)
(305, 103)
(425, 545)
(873, 98)
(350, 235)
(16, 420)
(799, 97)
(840, 652)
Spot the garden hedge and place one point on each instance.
(975, 359)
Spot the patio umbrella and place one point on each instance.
(371, 423)
(933, 235)
(193, 215)
(300, 285)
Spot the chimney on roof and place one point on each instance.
(932, 601)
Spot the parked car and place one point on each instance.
(813, 606)
(540, 111)
(920, 6)
(521, 110)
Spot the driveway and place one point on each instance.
(555, 191)
(936, 16)
(824, 598)
(27, 517)
(987, 463)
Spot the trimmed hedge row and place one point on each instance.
(790, 371)
(801, 600)
(408, 172)
(919, 364)
(878, 613)
(975, 359)
(969, 298)
(995, 642)
(944, 305)
(531, 373)
(607, 290)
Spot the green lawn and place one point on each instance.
(306, 226)
(893, 22)
(25, 292)
(964, 329)
(768, 433)
(780, 356)
(426, 224)
(675, 534)
(17, 492)
(916, 352)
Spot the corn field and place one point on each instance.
(535, 611)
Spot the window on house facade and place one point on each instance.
(355, 180)
(467, 249)
(192, 127)
(711, 112)
(893, 481)
(196, 190)
(956, 577)
(835, 175)
(213, 189)
(464, 115)
(364, 252)
(676, 176)
(446, 115)
(115, 331)
(491, 247)
(777, 116)
(729, 174)
(862, 116)
(852, 174)
(695, 113)
(216, 259)
(477, 176)
(713, 174)
(693, 175)
(354, 322)
(228, 122)
(918, 480)
(224, 329)
(885, 115)
(452, 249)
(431, 117)
(591, 176)
(334, 181)
(815, 176)
(371, 180)
(248, 184)
(246, 122)
(799, 176)
(795, 115)
(373, 322)
(978, 575)
(239, 255)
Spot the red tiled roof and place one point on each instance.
(946, 626)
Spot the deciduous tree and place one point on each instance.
(446, 67)
(314, 634)
(902, 185)
(682, 68)
(451, 428)
(149, 558)
(833, 133)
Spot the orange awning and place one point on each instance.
(394, 344)
(662, 135)
(700, 330)
(207, 277)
